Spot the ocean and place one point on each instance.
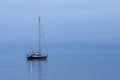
(65, 62)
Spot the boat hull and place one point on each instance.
(37, 57)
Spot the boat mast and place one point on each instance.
(39, 38)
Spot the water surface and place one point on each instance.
(64, 63)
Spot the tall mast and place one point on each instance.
(39, 38)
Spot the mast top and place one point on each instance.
(39, 19)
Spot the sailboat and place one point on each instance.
(38, 54)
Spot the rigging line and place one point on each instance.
(44, 40)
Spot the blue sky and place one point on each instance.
(63, 21)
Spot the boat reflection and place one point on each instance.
(37, 69)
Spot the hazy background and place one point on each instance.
(63, 21)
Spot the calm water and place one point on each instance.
(64, 63)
